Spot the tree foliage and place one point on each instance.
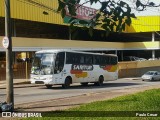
(113, 15)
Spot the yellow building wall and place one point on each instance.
(33, 10)
(137, 68)
(1, 8)
(138, 64)
(144, 24)
(142, 45)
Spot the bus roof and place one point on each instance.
(73, 51)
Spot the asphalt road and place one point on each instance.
(41, 93)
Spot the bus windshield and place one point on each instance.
(43, 64)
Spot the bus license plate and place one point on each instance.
(39, 82)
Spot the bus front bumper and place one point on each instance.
(41, 80)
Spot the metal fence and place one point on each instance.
(20, 70)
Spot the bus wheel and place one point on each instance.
(49, 86)
(67, 83)
(84, 84)
(100, 81)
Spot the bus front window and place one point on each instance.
(43, 64)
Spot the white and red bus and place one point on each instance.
(64, 67)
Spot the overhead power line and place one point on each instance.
(39, 4)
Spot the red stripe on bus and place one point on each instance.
(76, 71)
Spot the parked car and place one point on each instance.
(142, 59)
(152, 59)
(133, 58)
(130, 58)
(151, 75)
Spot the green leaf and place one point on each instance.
(78, 1)
(117, 28)
(83, 22)
(104, 5)
(73, 1)
(63, 13)
(61, 5)
(84, 28)
(124, 14)
(112, 27)
(104, 26)
(123, 26)
(97, 16)
(72, 10)
(115, 18)
(128, 21)
(122, 3)
(98, 24)
(128, 9)
(71, 19)
(106, 19)
(133, 15)
(138, 3)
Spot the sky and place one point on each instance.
(148, 12)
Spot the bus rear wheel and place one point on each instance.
(49, 86)
(66, 83)
(100, 81)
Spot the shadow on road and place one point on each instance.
(92, 86)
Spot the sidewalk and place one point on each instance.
(22, 82)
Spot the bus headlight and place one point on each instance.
(48, 71)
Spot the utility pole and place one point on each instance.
(9, 71)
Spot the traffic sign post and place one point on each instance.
(5, 42)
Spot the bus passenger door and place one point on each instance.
(59, 65)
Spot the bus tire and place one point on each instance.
(100, 81)
(66, 83)
(49, 86)
(84, 84)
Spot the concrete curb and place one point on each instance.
(24, 82)
(136, 78)
(21, 85)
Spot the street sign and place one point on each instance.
(5, 42)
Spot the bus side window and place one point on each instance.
(103, 60)
(114, 60)
(96, 59)
(72, 58)
(76, 57)
(69, 58)
(109, 62)
(59, 63)
(88, 59)
(82, 59)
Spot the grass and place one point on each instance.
(143, 102)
